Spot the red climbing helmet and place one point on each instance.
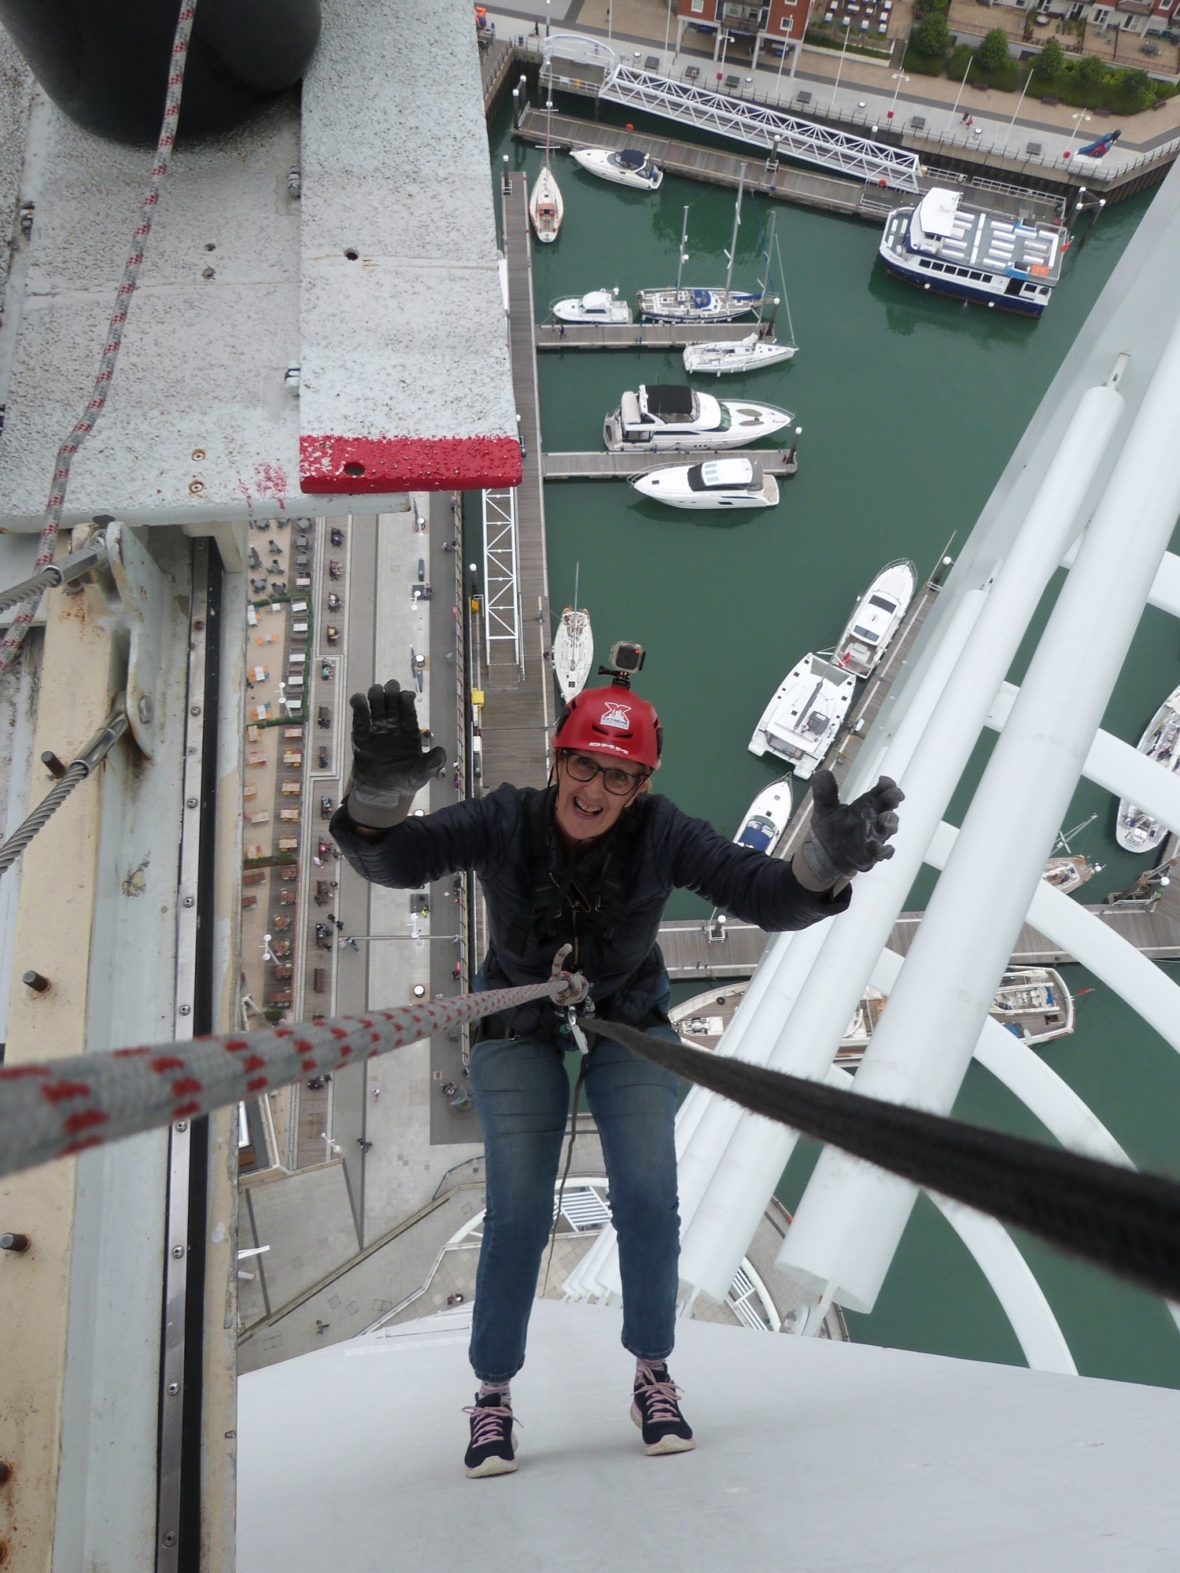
(612, 721)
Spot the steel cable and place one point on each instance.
(30, 589)
(55, 506)
(41, 815)
(1123, 1220)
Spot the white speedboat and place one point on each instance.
(666, 416)
(717, 483)
(726, 359)
(1032, 1003)
(1135, 830)
(973, 254)
(765, 821)
(573, 652)
(597, 305)
(802, 719)
(626, 167)
(546, 209)
(877, 617)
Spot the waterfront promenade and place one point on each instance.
(861, 93)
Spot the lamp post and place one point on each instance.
(899, 77)
(548, 14)
(794, 444)
(667, 29)
(959, 94)
(845, 23)
(267, 953)
(1016, 111)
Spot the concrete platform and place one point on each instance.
(811, 1455)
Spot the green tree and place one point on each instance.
(932, 36)
(1133, 91)
(1047, 66)
(992, 54)
(1092, 73)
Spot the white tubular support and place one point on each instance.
(927, 754)
(851, 1217)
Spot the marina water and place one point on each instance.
(910, 407)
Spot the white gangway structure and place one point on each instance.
(1099, 452)
(756, 125)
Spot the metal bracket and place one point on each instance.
(142, 590)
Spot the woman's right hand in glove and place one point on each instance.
(388, 761)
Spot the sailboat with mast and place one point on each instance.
(760, 348)
(698, 304)
(573, 648)
(546, 209)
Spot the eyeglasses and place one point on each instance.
(582, 768)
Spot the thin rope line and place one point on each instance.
(55, 506)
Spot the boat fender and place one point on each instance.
(882, 184)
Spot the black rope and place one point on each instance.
(1121, 1219)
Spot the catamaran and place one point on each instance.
(803, 717)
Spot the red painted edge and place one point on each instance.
(355, 465)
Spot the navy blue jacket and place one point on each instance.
(607, 903)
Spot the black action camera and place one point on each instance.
(625, 659)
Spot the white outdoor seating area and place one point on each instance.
(867, 17)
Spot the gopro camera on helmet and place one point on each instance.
(626, 659)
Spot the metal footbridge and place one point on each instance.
(780, 135)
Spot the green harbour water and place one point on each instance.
(910, 408)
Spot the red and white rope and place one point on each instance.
(55, 506)
(52, 1108)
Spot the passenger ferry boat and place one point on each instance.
(675, 416)
(971, 254)
(801, 721)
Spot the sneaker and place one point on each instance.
(655, 1411)
(492, 1449)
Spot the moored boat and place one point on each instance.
(1032, 1003)
(800, 723)
(701, 304)
(974, 255)
(625, 167)
(573, 651)
(765, 821)
(1067, 874)
(597, 305)
(876, 618)
(663, 416)
(546, 208)
(1135, 830)
(728, 358)
(717, 483)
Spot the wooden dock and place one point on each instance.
(619, 466)
(640, 335)
(518, 707)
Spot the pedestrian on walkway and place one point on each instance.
(593, 858)
(363, 1144)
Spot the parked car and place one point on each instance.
(332, 634)
(324, 848)
(326, 807)
(336, 535)
(323, 758)
(323, 716)
(335, 569)
(326, 670)
(333, 601)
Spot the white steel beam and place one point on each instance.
(851, 1218)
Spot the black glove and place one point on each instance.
(848, 838)
(388, 764)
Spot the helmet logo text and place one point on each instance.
(616, 715)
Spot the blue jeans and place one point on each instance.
(522, 1095)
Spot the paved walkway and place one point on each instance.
(860, 92)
